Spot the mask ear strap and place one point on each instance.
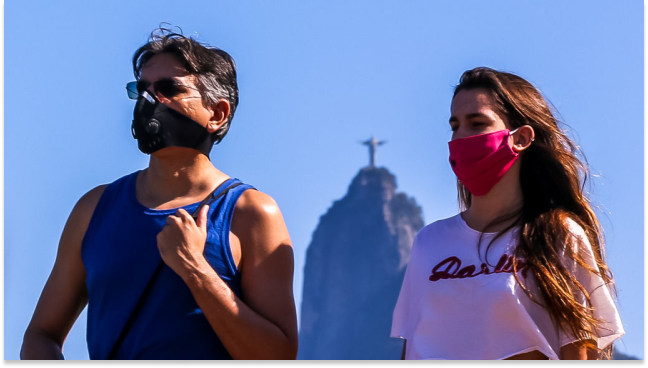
(513, 132)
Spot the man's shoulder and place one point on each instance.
(79, 220)
(260, 227)
(256, 205)
(88, 201)
(91, 197)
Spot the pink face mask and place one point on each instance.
(480, 161)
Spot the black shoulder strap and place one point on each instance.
(211, 198)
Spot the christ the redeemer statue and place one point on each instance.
(373, 143)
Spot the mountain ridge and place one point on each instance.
(355, 262)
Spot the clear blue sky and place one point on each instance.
(315, 77)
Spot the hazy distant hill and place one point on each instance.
(617, 355)
(354, 269)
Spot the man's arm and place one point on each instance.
(64, 295)
(263, 323)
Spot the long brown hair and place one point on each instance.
(553, 182)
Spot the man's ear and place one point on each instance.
(220, 113)
(523, 138)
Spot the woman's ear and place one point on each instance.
(523, 138)
(220, 113)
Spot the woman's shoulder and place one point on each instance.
(437, 228)
(577, 242)
(573, 226)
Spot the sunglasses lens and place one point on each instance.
(167, 88)
(131, 89)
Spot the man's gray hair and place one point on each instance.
(214, 68)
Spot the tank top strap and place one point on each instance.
(113, 193)
(221, 213)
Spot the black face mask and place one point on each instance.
(156, 126)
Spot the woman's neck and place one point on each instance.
(504, 199)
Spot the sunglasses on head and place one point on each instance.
(168, 88)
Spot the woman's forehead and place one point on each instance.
(472, 101)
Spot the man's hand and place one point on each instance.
(182, 242)
(261, 322)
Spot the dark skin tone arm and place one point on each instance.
(64, 295)
(262, 324)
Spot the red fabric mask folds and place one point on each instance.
(480, 161)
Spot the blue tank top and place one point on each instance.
(120, 253)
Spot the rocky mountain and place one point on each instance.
(354, 269)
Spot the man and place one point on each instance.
(223, 288)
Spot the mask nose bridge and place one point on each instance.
(152, 95)
(150, 98)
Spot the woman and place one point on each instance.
(520, 273)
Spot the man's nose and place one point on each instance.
(160, 97)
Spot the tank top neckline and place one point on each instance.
(151, 211)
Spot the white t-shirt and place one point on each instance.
(454, 305)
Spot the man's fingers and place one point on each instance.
(172, 219)
(183, 214)
(202, 217)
